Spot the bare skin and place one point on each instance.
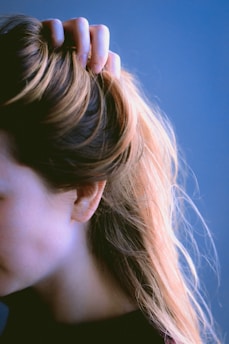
(43, 234)
(83, 292)
(91, 43)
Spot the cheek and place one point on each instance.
(25, 263)
(31, 248)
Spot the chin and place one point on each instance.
(8, 287)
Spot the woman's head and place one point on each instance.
(75, 129)
(64, 122)
(60, 123)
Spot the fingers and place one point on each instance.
(54, 31)
(91, 43)
(113, 64)
(100, 41)
(78, 35)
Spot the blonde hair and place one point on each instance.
(75, 128)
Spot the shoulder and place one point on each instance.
(129, 328)
(132, 327)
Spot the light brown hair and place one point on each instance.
(75, 128)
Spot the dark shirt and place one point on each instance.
(28, 321)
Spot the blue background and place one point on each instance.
(179, 49)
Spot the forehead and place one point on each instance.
(5, 146)
(14, 175)
(17, 182)
(8, 165)
(10, 169)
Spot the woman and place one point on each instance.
(89, 245)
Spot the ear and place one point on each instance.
(87, 201)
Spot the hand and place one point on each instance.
(91, 42)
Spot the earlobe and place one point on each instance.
(87, 201)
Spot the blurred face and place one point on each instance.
(36, 231)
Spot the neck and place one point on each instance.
(81, 291)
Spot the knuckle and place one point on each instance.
(114, 58)
(80, 22)
(114, 55)
(101, 28)
(57, 21)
